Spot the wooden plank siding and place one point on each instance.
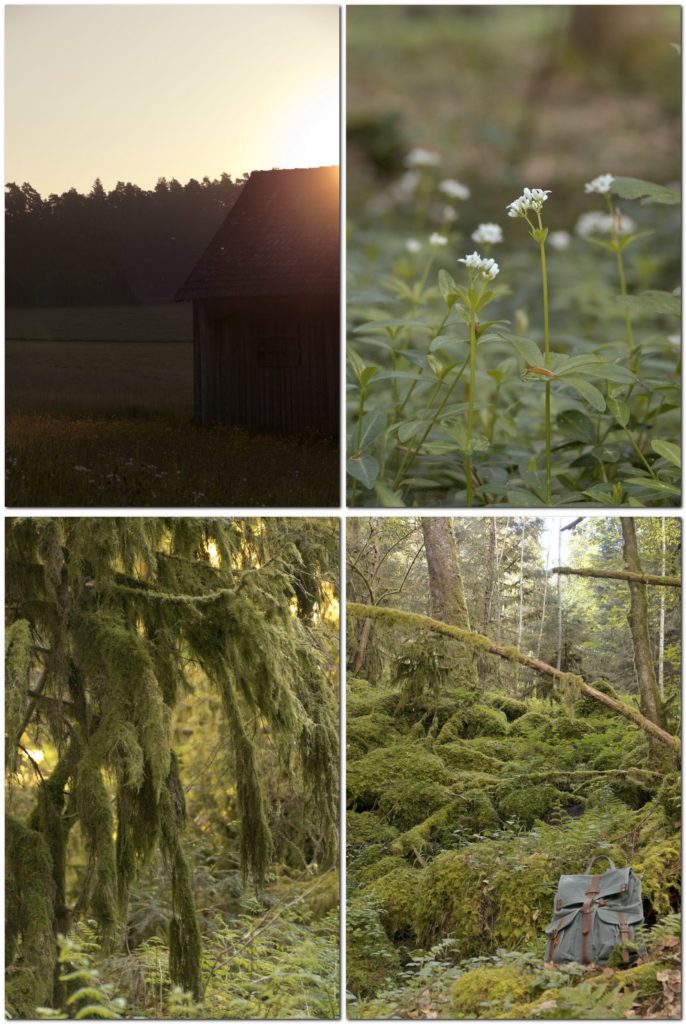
(268, 365)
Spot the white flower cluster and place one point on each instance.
(488, 234)
(437, 239)
(412, 245)
(454, 189)
(596, 223)
(530, 199)
(488, 267)
(601, 184)
(559, 239)
(422, 158)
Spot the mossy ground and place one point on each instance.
(464, 811)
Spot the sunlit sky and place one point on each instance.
(135, 93)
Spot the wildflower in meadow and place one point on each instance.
(454, 189)
(412, 245)
(488, 268)
(419, 157)
(560, 239)
(530, 199)
(449, 213)
(602, 184)
(437, 239)
(597, 223)
(488, 234)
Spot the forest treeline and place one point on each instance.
(123, 247)
(505, 724)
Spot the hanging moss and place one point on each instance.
(94, 811)
(185, 946)
(30, 920)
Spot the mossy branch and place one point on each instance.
(620, 574)
(513, 654)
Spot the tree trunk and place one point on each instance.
(488, 596)
(520, 624)
(651, 706)
(476, 642)
(448, 603)
(559, 599)
(661, 649)
(362, 646)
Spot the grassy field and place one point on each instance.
(99, 405)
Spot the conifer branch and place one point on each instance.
(513, 654)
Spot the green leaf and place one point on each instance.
(356, 362)
(663, 303)
(387, 497)
(588, 391)
(364, 468)
(597, 368)
(373, 424)
(575, 424)
(654, 485)
(382, 325)
(648, 191)
(668, 451)
(528, 350)
(620, 410)
(367, 374)
(447, 287)
(410, 429)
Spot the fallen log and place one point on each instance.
(620, 574)
(484, 643)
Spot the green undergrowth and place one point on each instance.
(463, 811)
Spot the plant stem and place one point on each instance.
(546, 335)
(470, 413)
(412, 456)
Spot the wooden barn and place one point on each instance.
(266, 307)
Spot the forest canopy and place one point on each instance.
(171, 767)
(505, 724)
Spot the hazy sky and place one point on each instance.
(135, 93)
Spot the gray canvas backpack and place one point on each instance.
(593, 915)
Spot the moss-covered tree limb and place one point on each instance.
(483, 643)
(620, 574)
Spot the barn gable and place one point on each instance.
(281, 237)
(266, 307)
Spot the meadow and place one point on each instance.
(513, 259)
(99, 407)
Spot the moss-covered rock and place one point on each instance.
(487, 991)
(659, 868)
(527, 803)
(470, 812)
(365, 698)
(531, 722)
(510, 706)
(367, 732)
(370, 872)
(463, 755)
(364, 828)
(482, 720)
(405, 781)
(372, 959)
(396, 894)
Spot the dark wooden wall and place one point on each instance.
(268, 364)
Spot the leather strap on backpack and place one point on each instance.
(625, 937)
(587, 917)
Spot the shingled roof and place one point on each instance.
(281, 237)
